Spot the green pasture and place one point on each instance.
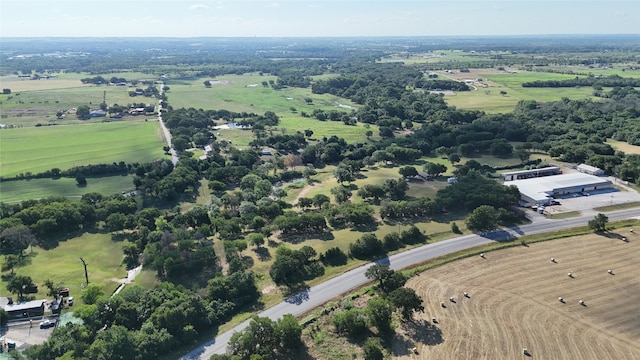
(492, 101)
(62, 264)
(246, 93)
(36, 149)
(19, 190)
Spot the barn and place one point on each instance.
(542, 191)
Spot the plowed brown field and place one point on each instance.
(513, 303)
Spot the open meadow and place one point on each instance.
(61, 264)
(19, 190)
(245, 93)
(513, 303)
(500, 91)
(36, 149)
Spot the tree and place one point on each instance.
(407, 301)
(599, 223)
(292, 160)
(16, 239)
(289, 331)
(11, 261)
(379, 311)
(54, 289)
(82, 112)
(433, 169)
(256, 239)
(372, 350)
(343, 174)
(91, 294)
(308, 100)
(341, 194)
(81, 181)
(454, 158)
(483, 218)
(350, 322)
(20, 285)
(308, 133)
(6, 91)
(378, 272)
(207, 83)
(408, 171)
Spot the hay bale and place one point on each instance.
(482, 255)
(570, 275)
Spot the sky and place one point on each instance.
(317, 18)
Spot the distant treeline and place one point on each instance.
(609, 81)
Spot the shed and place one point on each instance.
(591, 170)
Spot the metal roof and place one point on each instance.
(537, 188)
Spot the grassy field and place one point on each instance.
(37, 101)
(245, 93)
(624, 147)
(490, 99)
(39, 188)
(37, 149)
(62, 264)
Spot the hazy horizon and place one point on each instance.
(318, 18)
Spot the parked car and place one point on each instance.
(47, 324)
(70, 301)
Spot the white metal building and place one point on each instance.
(591, 170)
(532, 173)
(542, 190)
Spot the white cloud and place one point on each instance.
(198, 7)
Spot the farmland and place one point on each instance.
(36, 149)
(521, 286)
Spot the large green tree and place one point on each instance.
(599, 223)
(483, 218)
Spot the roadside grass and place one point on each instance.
(564, 215)
(42, 148)
(609, 208)
(62, 264)
(19, 190)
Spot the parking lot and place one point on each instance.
(619, 194)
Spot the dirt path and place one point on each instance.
(513, 303)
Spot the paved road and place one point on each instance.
(335, 287)
(167, 134)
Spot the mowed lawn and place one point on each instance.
(19, 190)
(36, 149)
(62, 264)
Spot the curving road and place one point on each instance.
(335, 287)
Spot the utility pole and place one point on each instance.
(86, 275)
